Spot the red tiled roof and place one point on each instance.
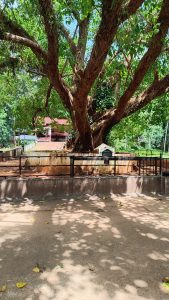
(48, 121)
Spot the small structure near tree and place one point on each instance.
(105, 150)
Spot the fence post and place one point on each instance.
(20, 165)
(139, 166)
(160, 163)
(114, 165)
(72, 166)
(156, 167)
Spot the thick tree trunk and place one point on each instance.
(100, 135)
(85, 141)
(98, 138)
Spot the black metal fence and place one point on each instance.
(75, 165)
(120, 165)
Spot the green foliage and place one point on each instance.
(133, 133)
(103, 96)
(26, 95)
(6, 126)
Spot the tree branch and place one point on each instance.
(48, 14)
(13, 27)
(11, 31)
(82, 41)
(74, 12)
(148, 59)
(68, 59)
(157, 89)
(70, 41)
(111, 19)
(36, 72)
(38, 51)
(40, 109)
(50, 23)
(18, 35)
(108, 119)
(130, 9)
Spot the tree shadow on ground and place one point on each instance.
(91, 247)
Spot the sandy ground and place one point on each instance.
(89, 248)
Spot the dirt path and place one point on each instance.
(89, 248)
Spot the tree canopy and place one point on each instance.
(76, 52)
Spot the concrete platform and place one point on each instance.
(89, 247)
(39, 188)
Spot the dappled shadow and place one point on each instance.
(91, 247)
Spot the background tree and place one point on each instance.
(6, 126)
(77, 45)
(26, 96)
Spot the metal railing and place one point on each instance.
(75, 165)
(123, 165)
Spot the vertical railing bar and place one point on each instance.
(114, 166)
(146, 166)
(72, 158)
(20, 165)
(139, 166)
(143, 166)
(154, 172)
(160, 163)
(155, 166)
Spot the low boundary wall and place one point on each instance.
(40, 188)
(14, 152)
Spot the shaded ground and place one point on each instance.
(91, 248)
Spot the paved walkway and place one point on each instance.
(88, 248)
